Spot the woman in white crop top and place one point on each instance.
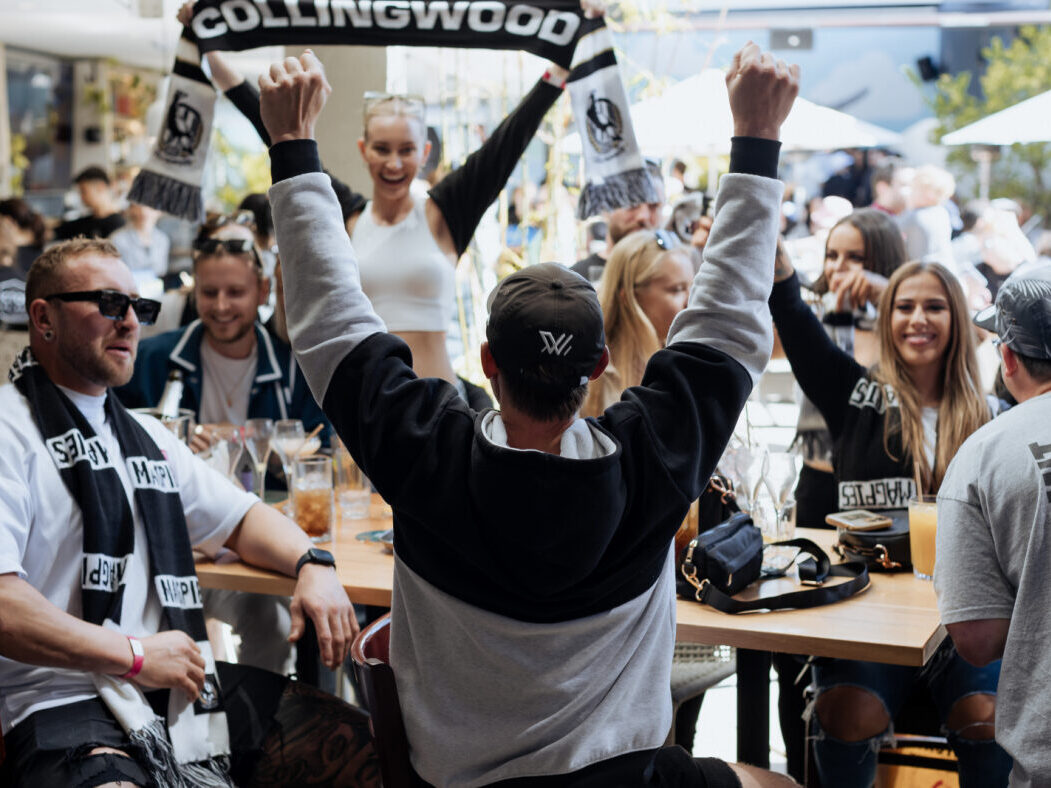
(408, 246)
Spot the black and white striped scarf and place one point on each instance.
(553, 29)
(190, 748)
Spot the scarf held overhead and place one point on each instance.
(190, 748)
(553, 29)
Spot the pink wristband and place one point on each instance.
(139, 657)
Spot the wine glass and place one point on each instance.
(288, 439)
(258, 433)
(227, 443)
(781, 469)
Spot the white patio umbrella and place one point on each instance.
(1027, 121)
(693, 116)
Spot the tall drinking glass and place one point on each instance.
(923, 526)
(313, 502)
(287, 441)
(258, 434)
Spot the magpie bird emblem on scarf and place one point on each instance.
(605, 127)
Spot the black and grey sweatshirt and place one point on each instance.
(534, 607)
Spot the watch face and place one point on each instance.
(319, 556)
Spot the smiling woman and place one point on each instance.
(895, 428)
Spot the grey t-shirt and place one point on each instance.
(994, 561)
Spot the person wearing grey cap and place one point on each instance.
(533, 606)
(994, 525)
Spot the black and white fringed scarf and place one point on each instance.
(553, 29)
(191, 747)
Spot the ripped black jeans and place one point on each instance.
(282, 733)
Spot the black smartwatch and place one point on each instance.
(315, 556)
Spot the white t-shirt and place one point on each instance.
(226, 385)
(41, 537)
(994, 560)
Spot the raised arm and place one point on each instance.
(327, 313)
(826, 373)
(726, 309)
(461, 198)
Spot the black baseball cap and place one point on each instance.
(1021, 315)
(546, 317)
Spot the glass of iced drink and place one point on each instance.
(313, 504)
(923, 525)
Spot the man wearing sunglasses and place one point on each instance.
(99, 602)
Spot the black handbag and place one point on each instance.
(724, 560)
(884, 550)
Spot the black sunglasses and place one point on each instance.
(114, 305)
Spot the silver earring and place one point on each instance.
(49, 335)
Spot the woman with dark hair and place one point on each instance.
(24, 228)
(895, 428)
(861, 252)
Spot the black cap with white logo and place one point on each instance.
(1021, 315)
(546, 317)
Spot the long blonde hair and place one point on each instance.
(630, 335)
(962, 408)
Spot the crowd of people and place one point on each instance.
(613, 385)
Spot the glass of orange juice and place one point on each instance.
(923, 525)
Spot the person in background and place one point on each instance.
(994, 519)
(96, 195)
(258, 206)
(408, 245)
(862, 251)
(927, 225)
(234, 370)
(644, 286)
(24, 231)
(621, 222)
(143, 246)
(891, 181)
(894, 429)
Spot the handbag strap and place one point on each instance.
(819, 569)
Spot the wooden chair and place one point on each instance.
(371, 652)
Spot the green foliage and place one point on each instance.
(236, 172)
(1015, 72)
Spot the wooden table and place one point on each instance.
(895, 621)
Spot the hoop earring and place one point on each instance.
(49, 336)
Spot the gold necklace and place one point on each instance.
(228, 392)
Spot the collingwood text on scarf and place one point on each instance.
(248, 17)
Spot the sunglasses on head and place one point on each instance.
(411, 103)
(228, 245)
(666, 240)
(114, 305)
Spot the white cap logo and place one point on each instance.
(556, 346)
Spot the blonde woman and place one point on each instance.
(645, 284)
(408, 245)
(894, 432)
